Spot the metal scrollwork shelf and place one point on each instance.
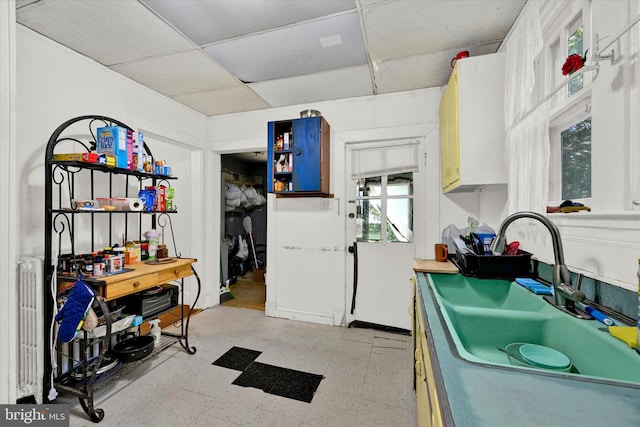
(75, 366)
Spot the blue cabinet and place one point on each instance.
(298, 156)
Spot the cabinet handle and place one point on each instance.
(136, 284)
(419, 367)
(298, 152)
(176, 271)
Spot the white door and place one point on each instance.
(380, 234)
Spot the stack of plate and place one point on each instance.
(538, 356)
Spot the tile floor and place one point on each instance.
(367, 380)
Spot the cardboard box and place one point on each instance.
(112, 142)
(89, 157)
(67, 157)
(258, 275)
(138, 152)
(161, 198)
(131, 137)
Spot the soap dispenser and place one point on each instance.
(156, 332)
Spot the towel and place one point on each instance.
(534, 286)
(74, 310)
(628, 334)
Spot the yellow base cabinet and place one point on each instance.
(428, 405)
(472, 133)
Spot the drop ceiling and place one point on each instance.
(228, 56)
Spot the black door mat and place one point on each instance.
(237, 358)
(283, 382)
(271, 379)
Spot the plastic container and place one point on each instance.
(109, 203)
(156, 332)
(152, 236)
(494, 266)
(486, 235)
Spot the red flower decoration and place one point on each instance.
(573, 63)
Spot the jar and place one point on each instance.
(152, 236)
(98, 266)
(88, 266)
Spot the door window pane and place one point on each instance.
(400, 220)
(368, 220)
(400, 184)
(368, 187)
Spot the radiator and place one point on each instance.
(30, 329)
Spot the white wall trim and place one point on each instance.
(303, 316)
(8, 324)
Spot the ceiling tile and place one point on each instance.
(328, 85)
(108, 34)
(206, 21)
(180, 73)
(294, 50)
(403, 28)
(420, 71)
(223, 101)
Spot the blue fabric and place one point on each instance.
(74, 311)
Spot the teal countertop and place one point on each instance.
(481, 395)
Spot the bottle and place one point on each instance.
(156, 332)
(152, 237)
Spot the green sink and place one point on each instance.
(485, 315)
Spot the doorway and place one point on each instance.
(381, 183)
(244, 230)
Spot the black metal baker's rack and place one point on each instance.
(62, 223)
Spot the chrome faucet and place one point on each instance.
(564, 294)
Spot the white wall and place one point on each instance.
(56, 84)
(8, 329)
(605, 243)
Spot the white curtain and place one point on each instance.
(528, 168)
(527, 124)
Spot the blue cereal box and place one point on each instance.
(112, 142)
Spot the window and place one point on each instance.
(570, 128)
(576, 160)
(570, 167)
(385, 208)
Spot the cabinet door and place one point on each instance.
(423, 400)
(270, 149)
(453, 129)
(429, 413)
(449, 134)
(307, 154)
